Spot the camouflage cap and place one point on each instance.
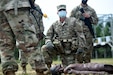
(59, 7)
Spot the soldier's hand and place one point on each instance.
(79, 51)
(86, 15)
(69, 68)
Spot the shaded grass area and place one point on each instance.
(31, 72)
(101, 60)
(104, 61)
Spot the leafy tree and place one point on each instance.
(98, 30)
(107, 29)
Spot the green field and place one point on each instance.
(31, 72)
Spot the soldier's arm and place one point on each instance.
(41, 22)
(41, 25)
(40, 18)
(72, 14)
(80, 34)
(50, 34)
(94, 18)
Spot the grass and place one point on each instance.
(104, 61)
(31, 72)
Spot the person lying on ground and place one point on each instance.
(87, 68)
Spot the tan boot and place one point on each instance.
(10, 73)
(24, 70)
(48, 72)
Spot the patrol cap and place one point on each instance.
(60, 7)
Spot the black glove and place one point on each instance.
(57, 69)
(50, 44)
(79, 51)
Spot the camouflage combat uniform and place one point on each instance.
(89, 38)
(66, 39)
(16, 26)
(36, 18)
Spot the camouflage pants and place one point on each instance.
(32, 57)
(18, 28)
(23, 57)
(86, 57)
(67, 56)
(89, 39)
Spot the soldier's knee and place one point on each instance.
(47, 48)
(44, 48)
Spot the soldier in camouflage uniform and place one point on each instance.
(63, 38)
(83, 12)
(36, 17)
(17, 26)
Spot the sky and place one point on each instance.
(50, 8)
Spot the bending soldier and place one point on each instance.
(63, 38)
(86, 16)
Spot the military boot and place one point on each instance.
(24, 70)
(39, 72)
(48, 71)
(10, 73)
(40, 67)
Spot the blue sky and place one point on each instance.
(49, 7)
